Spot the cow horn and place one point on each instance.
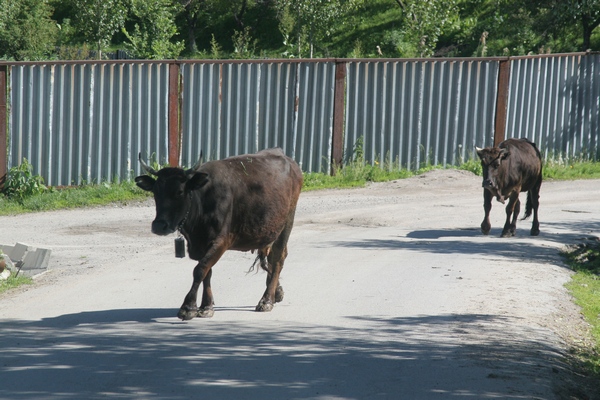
(198, 163)
(145, 167)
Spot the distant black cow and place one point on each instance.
(241, 203)
(514, 166)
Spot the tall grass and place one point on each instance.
(585, 288)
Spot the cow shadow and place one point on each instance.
(469, 241)
(148, 353)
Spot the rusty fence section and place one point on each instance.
(554, 101)
(79, 122)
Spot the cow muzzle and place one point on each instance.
(161, 227)
(487, 184)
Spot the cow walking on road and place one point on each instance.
(240, 203)
(513, 167)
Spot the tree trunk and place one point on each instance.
(587, 32)
(191, 42)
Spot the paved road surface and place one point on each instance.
(391, 293)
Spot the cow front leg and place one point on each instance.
(487, 206)
(512, 210)
(189, 309)
(207, 307)
(202, 274)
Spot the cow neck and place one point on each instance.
(180, 226)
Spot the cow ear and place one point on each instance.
(479, 152)
(145, 182)
(504, 153)
(197, 180)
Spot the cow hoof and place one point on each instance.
(206, 312)
(185, 313)
(535, 232)
(264, 306)
(485, 228)
(507, 234)
(279, 294)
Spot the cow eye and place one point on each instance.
(179, 194)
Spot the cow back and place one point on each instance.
(248, 198)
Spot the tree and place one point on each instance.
(27, 31)
(99, 20)
(315, 18)
(585, 13)
(424, 22)
(192, 10)
(154, 29)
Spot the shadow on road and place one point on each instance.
(470, 241)
(146, 353)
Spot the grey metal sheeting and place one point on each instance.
(81, 122)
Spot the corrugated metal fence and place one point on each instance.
(87, 121)
(555, 102)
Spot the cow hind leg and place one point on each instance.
(274, 292)
(534, 197)
(512, 210)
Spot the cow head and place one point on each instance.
(491, 162)
(172, 191)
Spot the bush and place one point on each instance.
(22, 183)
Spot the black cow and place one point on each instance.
(240, 203)
(514, 166)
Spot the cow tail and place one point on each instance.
(261, 259)
(528, 206)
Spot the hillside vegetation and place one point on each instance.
(166, 29)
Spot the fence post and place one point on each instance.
(174, 109)
(339, 97)
(3, 127)
(502, 101)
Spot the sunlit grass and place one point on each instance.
(13, 282)
(74, 197)
(585, 288)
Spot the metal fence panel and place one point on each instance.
(238, 108)
(86, 122)
(554, 101)
(80, 123)
(201, 112)
(415, 113)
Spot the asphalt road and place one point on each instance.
(391, 292)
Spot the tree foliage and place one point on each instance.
(153, 30)
(32, 29)
(98, 20)
(27, 31)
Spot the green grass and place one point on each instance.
(584, 259)
(356, 174)
(74, 197)
(13, 282)
(571, 170)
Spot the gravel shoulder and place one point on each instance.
(391, 292)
